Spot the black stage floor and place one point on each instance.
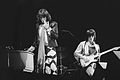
(10, 74)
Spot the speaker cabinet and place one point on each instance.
(21, 60)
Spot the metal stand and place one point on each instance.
(61, 67)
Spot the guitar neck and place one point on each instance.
(106, 51)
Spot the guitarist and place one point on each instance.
(85, 49)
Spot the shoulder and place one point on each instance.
(97, 46)
(53, 24)
(39, 26)
(82, 43)
(80, 46)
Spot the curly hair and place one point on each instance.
(42, 13)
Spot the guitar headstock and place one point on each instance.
(116, 48)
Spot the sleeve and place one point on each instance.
(39, 31)
(98, 48)
(37, 36)
(54, 31)
(78, 51)
(35, 43)
(31, 49)
(98, 51)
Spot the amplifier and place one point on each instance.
(21, 60)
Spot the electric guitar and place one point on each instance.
(92, 58)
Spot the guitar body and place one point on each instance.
(88, 60)
(92, 58)
(82, 62)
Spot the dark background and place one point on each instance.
(18, 22)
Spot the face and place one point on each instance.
(46, 25)
(43, 20)
(91, 39)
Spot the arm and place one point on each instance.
(36, 40)
(31, 49)
(98, 51)
(98, 48)
(54, 31)
(33, 46)
(78, 52)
